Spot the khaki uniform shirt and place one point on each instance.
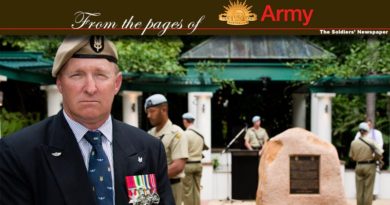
(256, 137)
(195, 144)
(360, 151)
(175, 143)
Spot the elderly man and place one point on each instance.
(82, 155)
(175, 142)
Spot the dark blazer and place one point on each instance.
(32, 173)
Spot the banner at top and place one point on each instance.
(200, 17)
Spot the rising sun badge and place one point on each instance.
(237, 13)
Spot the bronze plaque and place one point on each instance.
(304, 174)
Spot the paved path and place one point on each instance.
(240, 202)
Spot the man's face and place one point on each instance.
(88, 87)
(155, 115)
(186, 123)
(369, 124)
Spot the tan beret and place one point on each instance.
(83, 47)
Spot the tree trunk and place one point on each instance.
(370, 106)
(372, 43)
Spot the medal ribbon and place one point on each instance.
(130, 182)
(152, 180)
(140, 186)
(147, 183)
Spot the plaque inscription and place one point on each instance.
(304, 174)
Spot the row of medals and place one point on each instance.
(144, 197)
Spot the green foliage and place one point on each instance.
(215, 163)
(213, 70)
(348, 111)
(357, 56)
(368, 58)
(143, 55)
(11, 122)
(224, 129)
(46, 44)
(150, 55)
(354, 57)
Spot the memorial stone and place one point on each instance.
(299, 168)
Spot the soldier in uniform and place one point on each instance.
(193, 168)
(363, 152)
(256, 136)
(171, 135)
(376, 136)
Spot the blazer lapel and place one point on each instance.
(127, 161)
(64, 157)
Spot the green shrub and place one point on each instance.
(11, 122)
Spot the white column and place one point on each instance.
(299, 110)
(192, 106)
(54, 99)
(203, 119)
(3, 78)
(130, 107)
(322, 115)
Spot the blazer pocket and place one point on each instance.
(136, 164)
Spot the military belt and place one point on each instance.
(174, 180)
(192, 162)
(367, 162)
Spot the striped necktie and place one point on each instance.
(99, 170)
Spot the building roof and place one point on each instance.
(357, 84)
(26, 66)
(256, 48)
(24, 60)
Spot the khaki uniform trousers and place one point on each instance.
(177, 190)
(191, 184)
(365, 178)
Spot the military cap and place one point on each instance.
(83, 47)
(255, 118)
(188, 116)
(154, 100)
(364, 126)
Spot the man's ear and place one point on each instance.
(118, 82)
(59, 84)
(164, 108)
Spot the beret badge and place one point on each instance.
(97, 43)
(149, 103)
